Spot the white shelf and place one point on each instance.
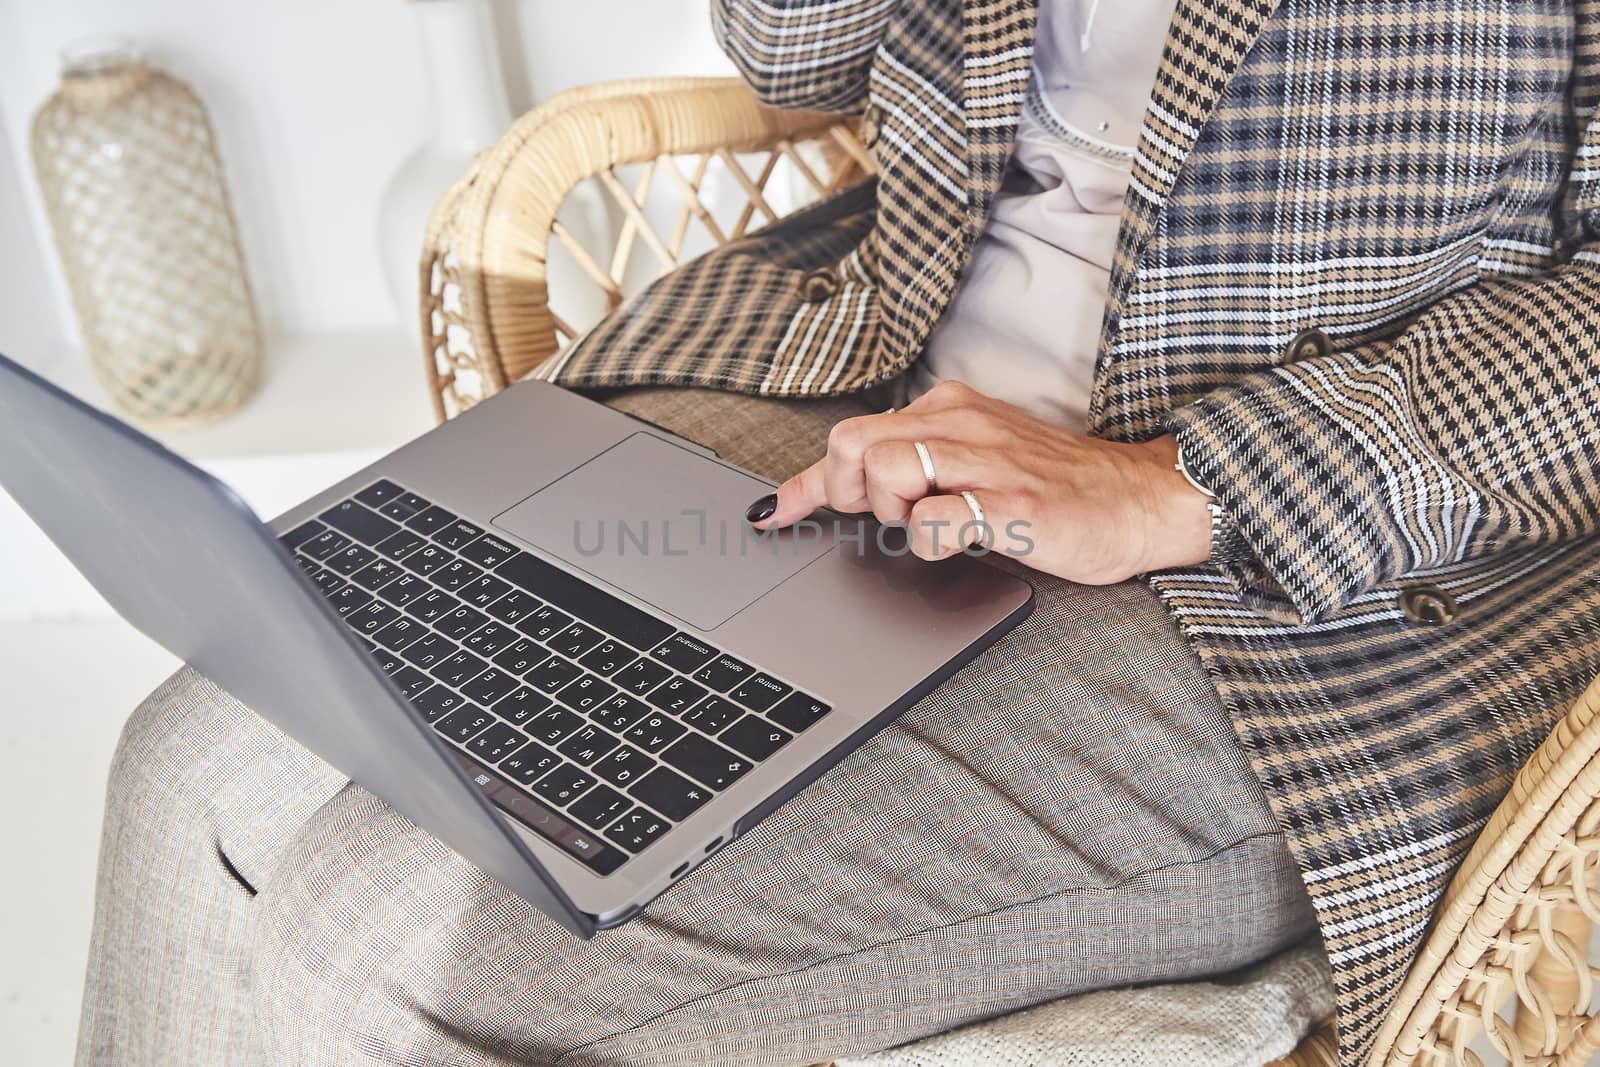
(330, 404)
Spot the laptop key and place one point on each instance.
(638, 830)
(324, 545)
(435, 702)
(455, 575)
(412, 682)
(400, 545)
(577, 597)
(753, 736)
(376, 575)
(463, 723)
(530, 763)
(599, 807)
(797, 711)
(575, 640)
(712, 715)
(372, 618)
(706, 761)
(490, 638)
(623, 765)
(400, 633)
(759, 692)
(432, 606)
(365, 526)
(379, 493)
(521, 656)
(308, 565)
(619, 713)
(328, 582)
(676, 695)
(427, 559)
(458, 668)
(564, 785)
(607, 657)
(535, 813)
(481, 592)
(521, 704)
(398, 509)
(490, 686)
(670, 793)
(496, 743)
(458, 534)
(655, 732)
(723, 673)
(514, 607)
(428, 651)
(584, 692)
(641, 676)
(552, 674)
(388, 662)
(431, 520)
(543, 623)
(349, 560)
(459, 623)
(684, 652)
(553, 725)
(349, 599)
(488, 551)
(587, 745)
(404, 589)
(301, 534)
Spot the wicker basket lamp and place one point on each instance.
(128, 168)
(1507, 959)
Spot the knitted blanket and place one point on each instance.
(1242, 1020)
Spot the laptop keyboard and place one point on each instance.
(598, 725)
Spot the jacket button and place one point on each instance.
(1308, 344)
(819, 285)
(1428, 605)
(871, 119)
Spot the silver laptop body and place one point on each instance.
(542, 631)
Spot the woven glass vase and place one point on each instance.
(140, 213)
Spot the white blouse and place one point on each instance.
(1025, 320)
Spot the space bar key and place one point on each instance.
(594, 606)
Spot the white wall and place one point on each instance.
(315, 103)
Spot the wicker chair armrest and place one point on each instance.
(1511, 919)
(487, 239)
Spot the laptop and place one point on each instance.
(542, 631)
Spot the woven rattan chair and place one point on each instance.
(1507, 958)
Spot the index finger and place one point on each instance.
(797, 498)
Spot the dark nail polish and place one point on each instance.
(762, 509)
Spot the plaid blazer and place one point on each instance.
(1403, 596)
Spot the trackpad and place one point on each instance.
(667, 525)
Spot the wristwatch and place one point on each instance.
(1183, 468)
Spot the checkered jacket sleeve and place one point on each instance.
(1476, 430)
(813, 54)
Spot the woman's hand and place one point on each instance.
(1087, 510)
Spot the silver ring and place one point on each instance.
(927, 463)
(977, 509)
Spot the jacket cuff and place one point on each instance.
(1293, 538)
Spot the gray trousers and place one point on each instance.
(1071, 812)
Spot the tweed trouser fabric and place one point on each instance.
(1070, 812)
